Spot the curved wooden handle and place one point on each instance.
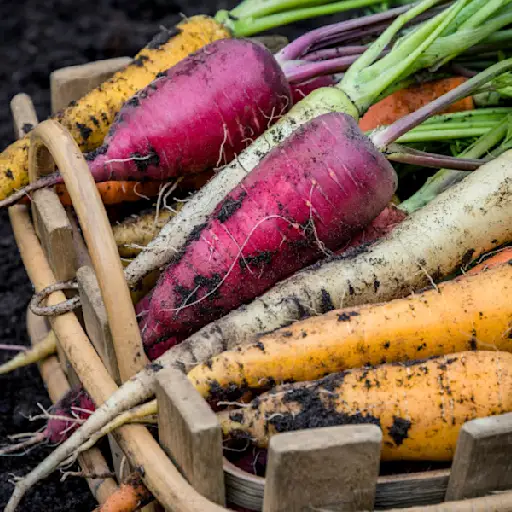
(51, 142)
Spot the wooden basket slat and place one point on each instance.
(92, 461)
(67, 85)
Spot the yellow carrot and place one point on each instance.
(88, 119)
(470, 313)
(419, 406)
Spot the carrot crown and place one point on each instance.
(429, 45)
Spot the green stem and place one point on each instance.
(441, 135)
(244, 27)
(416, 51)
(365, 80)
(487, 114)
(260, 8)
(498, 37)
(444, 178)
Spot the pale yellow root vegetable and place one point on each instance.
(135, 232)
(39, 351)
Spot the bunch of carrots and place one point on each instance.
(336, 217)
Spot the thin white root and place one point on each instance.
(84, 474)
(162, 197)
(31, 441)
(133, 392)
(141, 414)
(38, 352)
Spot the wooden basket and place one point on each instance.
(327, 469)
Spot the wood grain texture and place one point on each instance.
(71, 83)
(402, 490)
(95, 320)
(333, 468)
(413, 489)
(54, 232)
(483, 458)
(50, 220)
(500, 502)
(190, 434)
(50, 138)
(24, 115)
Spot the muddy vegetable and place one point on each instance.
(470, 313)
(420, 406)
(275, 222)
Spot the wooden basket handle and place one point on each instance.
(51, 142)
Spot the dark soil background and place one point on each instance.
(37, 38)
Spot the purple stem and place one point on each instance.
(15, 348)
(405, 155)
(46, 181)
(382, 139)
(302, 44)
(461, 70)
(303, 72)
(331, 53)
(352, 36)
(360, 33)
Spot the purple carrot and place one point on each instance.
(277, 220)
(64, 417)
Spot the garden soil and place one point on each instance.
(37, 38)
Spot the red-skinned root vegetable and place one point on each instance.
(383, 224)
(359, 88)
(302, 89)
(305, 198)
(201, 127)
(64, 417)
(177, 126)
(419, 405)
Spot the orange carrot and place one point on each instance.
(499, 258)
(131, 495)
(405, 101)
(114, 192)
